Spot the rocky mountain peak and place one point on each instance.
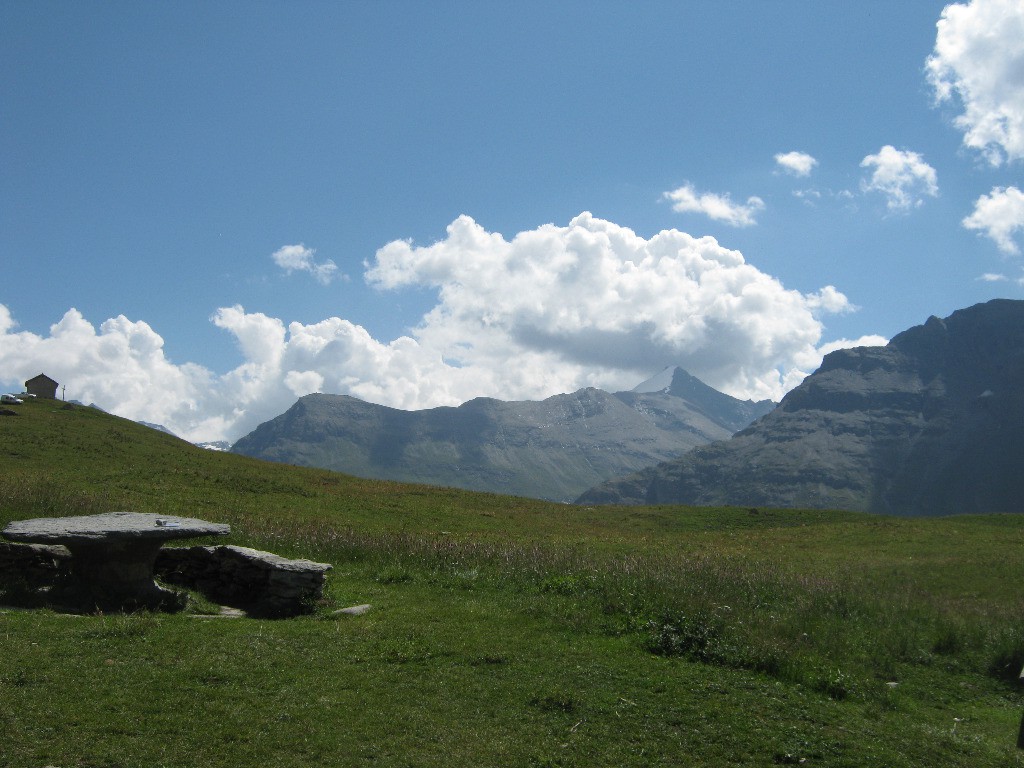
(932, 423)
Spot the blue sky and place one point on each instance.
(210, 209)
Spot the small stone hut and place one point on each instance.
(42, 386)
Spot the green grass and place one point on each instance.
(512, 632)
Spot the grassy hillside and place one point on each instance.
(511, 632)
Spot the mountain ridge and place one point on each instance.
(553, 448)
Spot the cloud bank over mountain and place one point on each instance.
(550, 310)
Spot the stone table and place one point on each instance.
(112, 555)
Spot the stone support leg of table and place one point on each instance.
(117, 575)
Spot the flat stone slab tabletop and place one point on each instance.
(110, 527)
(113, 554)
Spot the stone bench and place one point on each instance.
(261, 583)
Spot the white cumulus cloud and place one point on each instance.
(121, 367)
(299, 258)
(829, 300)
(550, 310)
(796, 163)
(999, 215)
(903, 177)
(978, 60)
(686, 199)
(595, 303)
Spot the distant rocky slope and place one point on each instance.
(931, 424)
(552, 449)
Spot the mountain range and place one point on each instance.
(930, 424)
(552, 449)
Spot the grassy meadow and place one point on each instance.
(511, 632)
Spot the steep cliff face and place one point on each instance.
(553, 449)
(931, 424)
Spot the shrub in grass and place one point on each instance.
(1006, 654)
(834, 684)
(698, 637)
(951, 638)
(567, 584)
(556, 701)
(394, 575)
(705, 637)
(895, 641)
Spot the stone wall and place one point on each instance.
(261, 583)
(32, 566)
